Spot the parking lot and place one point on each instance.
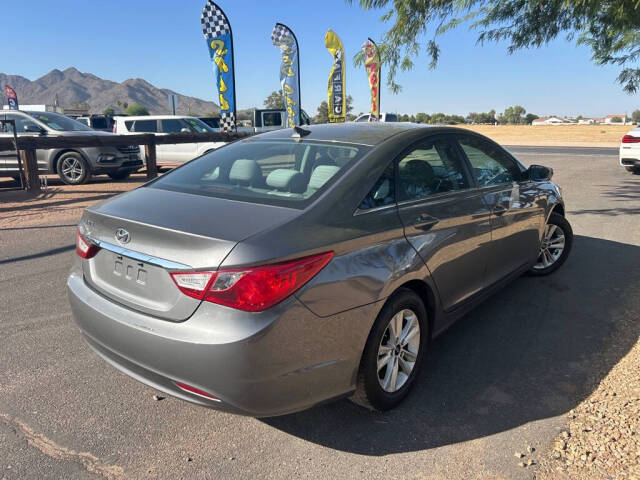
(501, 379)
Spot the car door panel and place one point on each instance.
(445, 220)
(516, 214)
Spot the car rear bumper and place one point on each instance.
(270, 363)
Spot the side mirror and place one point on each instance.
(538, 173)
(30, 128)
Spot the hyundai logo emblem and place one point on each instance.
(123, 236)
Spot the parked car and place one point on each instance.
(103, 123)
(290, 268)
(73, 165)
(384, 117)
(262, 120)
(171, 154)
(630, 151)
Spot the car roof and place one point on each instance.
(370, 133)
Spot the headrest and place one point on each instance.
(245, 172)
(287, 180)
(321, 175)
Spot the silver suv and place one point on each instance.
(74, 166)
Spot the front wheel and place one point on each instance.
(393, 352)
(73, 169)
(555, 245)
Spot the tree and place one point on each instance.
(532, 116)
(483, 117)
(422, 117)
(323, 111)
(109, 111)
(608, 27)
(136, 109)
(514, 115)
(616, 120)
(635, 116)
(274, 100)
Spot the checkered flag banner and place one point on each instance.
(284, 39)
(217, 33)
(227, 122)
(214, 21)
(281, 35)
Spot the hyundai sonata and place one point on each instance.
(303, 265)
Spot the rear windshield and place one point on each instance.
(279, 172)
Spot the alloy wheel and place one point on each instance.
(72, 169)
(551, 247)
(398, 350)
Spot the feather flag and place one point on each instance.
(336, 91)
(217, 33)
(372, 67)
(283, 38)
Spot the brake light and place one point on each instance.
(630, 139)
(84, 248)
(252, 289)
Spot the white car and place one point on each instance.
(170, 154)
(384, 117)
(630, 151)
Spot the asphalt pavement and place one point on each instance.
(502, 379)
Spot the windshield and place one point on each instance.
(282, 172)
(58, 122)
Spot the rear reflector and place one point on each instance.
(251, 289)
(196, 391)
(630, 139)
(84, 248)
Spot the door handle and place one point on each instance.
(499, 209)
(425, 222)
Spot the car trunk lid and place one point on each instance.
(147, 233)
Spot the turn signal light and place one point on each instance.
(252, 289)
(84, 248)
(630, 139)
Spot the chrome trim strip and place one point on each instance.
(143, 257)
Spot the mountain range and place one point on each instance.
(73, 87)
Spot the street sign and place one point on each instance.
(173, 102)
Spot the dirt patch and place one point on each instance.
(554, 135)
(58, 203)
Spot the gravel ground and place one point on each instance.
(603, 435)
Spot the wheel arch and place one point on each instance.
(558, 208)
(428, 297)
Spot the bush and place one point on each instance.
(136, 109)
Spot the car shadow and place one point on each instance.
(534, 350)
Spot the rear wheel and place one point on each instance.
(555, 246)
(73, 168)
(393, 352)
(635, 170)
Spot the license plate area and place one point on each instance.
(130, 269)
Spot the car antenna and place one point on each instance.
(299, 132)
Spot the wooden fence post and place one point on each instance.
(30, 162)
(150, 157)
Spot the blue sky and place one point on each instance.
(161, 41)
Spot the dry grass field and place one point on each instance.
(554, 135)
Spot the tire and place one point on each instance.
(370, 392)
(551, 237)
(73, 168)
(634, 170)
(120, 174)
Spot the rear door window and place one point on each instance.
(383, 192)
(173, 125)
(431, 168)
(142, 126)
(272, 119)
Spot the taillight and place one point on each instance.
(630, 139)
(251, 289)
(84, 248)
